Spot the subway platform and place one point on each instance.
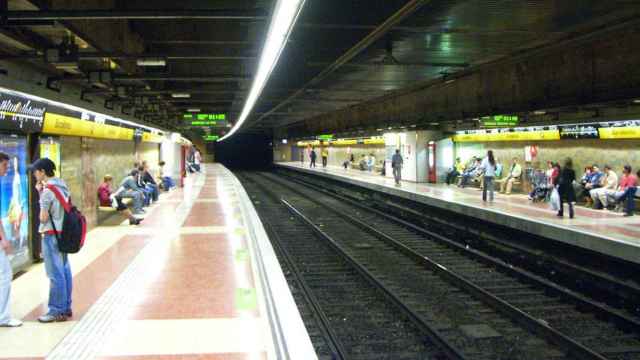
(197, 280)
(597, 230)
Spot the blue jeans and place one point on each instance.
(153, 190)
(488, 186)
(58, 270)
(628, 195)
(168, 182)
(5, 287)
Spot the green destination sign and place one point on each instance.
(500, 121)
(325, 137)
(211, 138)
(203, 123)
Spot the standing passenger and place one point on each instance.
(489, 169)
(312, 156)
(564, 182)
(396, 164)
(371, 162)
(56, 263)
(325, 156)
(6, 274)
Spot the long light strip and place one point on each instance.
(284, 18)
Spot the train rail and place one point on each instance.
(578, 327)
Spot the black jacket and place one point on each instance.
(565, 184)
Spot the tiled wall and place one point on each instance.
(337, 154)
(616, 153)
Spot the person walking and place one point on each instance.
(564, 182)
(6, 274)
(396, 164)
(325, 156)
(312, 156)
(488, 167)
(56, 263)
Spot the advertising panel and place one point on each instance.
(14, 198)
(20, 114)
(50, 148)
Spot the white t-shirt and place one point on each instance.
(197, 158)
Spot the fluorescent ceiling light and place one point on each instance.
(180, 96)
(637, 101)
(284, 18)
(152, 62)
(193, 110)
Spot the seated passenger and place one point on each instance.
(626, 191)
(540, 186)
(608, 185)
(515, 172)
(592, 182)
(167, 181)
(129, 189)
(470, 172)
(371, 162)
(455, 171)
(363, 163)
(104, 195)
(149, 181)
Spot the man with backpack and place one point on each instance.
(54, 202)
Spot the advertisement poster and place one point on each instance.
(49, 148)
(14, 198)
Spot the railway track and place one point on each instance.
(348, 315)
(514, 306)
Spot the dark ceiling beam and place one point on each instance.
(408, 66)
(409, 8)
(192, 78)
(202, 42)
(590, 68)
(178, 14)
(122, 56)
(430, 30)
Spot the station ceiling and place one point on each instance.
(341, 53)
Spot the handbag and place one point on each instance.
(554, 201)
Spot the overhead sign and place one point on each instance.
(325, 137)
(21, 114)
(211, 138)
(499, 121)
(72, 126)
(581, 131)
(631, 132)
(530, 134)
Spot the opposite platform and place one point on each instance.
(597, 230)
(198, 279)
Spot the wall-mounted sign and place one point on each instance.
(499, 121)
(72, 126)
(21, 114)
(581, 131)
(325, 137)
(530, 134)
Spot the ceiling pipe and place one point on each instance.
(61, 15)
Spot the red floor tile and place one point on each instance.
(205, 214)
(197, 280)
(97, 277)
(227, 356)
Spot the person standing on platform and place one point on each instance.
(197, 159)
(488, 167)
(56, 263)
(371, 162)
(325, 156)
(312, 156)
(302, 156)
(6, 274)
(564, 182)
(396, 165)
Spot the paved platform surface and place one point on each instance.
(197, 280)
(598, 230)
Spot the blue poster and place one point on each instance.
(14, 198)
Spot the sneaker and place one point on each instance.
(12, 323)
(135, 221)
(49, 318)
(627, 214)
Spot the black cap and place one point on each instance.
(43, 164)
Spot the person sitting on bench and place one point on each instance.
(472, 171)
(515, 172)
(104, 195)
(455, 171)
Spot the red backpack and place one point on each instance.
(74, 225)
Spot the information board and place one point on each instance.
(21, 114)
